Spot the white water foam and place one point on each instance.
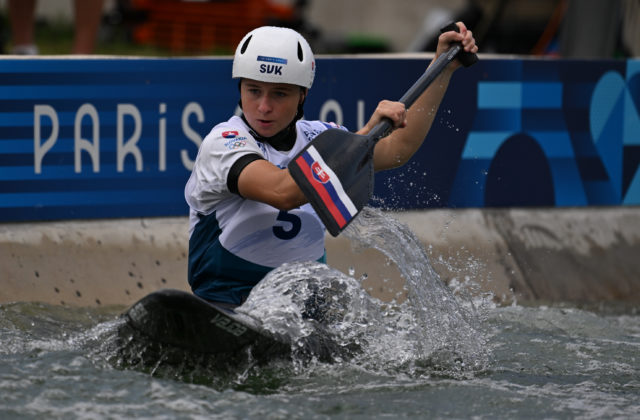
(432, 329)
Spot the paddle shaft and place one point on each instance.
(417, 89)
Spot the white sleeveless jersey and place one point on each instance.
(251, 230)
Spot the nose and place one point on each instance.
(264, 104)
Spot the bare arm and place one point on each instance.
(412, 125)
(397, 148)
(262, 181)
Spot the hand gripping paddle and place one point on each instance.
(335, 170)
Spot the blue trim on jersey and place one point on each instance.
(216, 274)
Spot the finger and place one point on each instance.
(469, 42)
(447, 38)
(402, 119)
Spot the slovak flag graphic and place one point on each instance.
(327, 185)
(229, 134)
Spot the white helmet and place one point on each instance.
(276, 55)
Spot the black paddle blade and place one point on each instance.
(337, 192)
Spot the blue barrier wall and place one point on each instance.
(93, 138)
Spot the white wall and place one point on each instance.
(398, 21)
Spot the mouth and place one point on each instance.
(265, 126)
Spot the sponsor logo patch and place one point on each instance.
(277, 60)
(236, 143)
(228, 325)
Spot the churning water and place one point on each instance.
(437, 354)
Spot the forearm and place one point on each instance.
(264, 182)
(398, 147)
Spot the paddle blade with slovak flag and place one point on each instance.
(336, 175)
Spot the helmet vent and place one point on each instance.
(246, 44)
(300, 54)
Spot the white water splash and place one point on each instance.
(445, 326)
(431, 329)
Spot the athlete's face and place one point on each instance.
(269, 107)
